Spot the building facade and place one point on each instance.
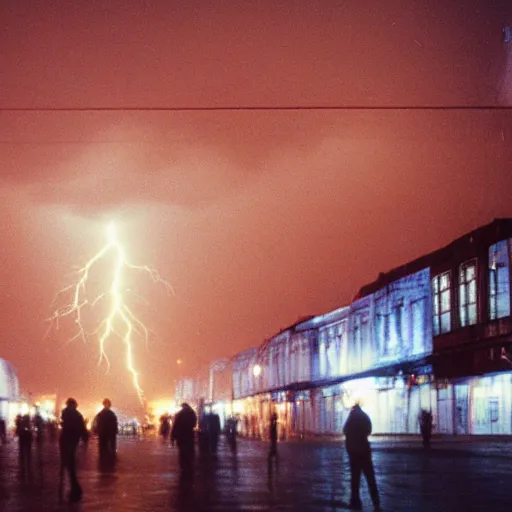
(435, 333)
(9, 391)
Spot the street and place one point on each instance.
(311, 476)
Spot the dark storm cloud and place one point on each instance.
(190, 53)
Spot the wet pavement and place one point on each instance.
(311, 476)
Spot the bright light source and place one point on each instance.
(119, 319)
(256, 370)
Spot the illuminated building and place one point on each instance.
(9, 391)
(435, 333)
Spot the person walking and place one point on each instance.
(183, 434)
(165, 427)
(357, 429)
(426, 425)
(106, 428)
(25, 436)
(273, 435)
(73, 429)
(3, 431)
(231, 432)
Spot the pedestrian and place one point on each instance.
(39, 428)
(231, 432)
(106, 428)
(426, 427)
(183, 434)
(165, 427)
(357, 429)
(213, 429)
(3, 431)
(24, 433)
(273, 435)
(72, 430)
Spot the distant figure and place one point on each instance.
(272, 454)
(183, 434)
(357, 429)
(73, 429)
(165, 427)
(204, 443)
(213, 429)
(24, 433)
(39, 428)
(106, 428)
(426, 426)
(231, 432)
(273, 435)
(3, 432)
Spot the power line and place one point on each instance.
(249, 108)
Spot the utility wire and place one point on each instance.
(248, 108)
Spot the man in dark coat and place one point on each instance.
(183, 434)
(106, 428)
(73, 429)
(357, 429)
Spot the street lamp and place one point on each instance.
(256, 370)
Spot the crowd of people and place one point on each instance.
(182, 430)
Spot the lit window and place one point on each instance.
(442, 304)
(499, 280)
(467, 293)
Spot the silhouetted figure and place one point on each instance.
(183, 434)
(3, 432)
(231, 432)
(273, 434)
(204, 444)
(24, 433)
(73, 429)
(165, 427)
(213, 430)
(357, 429)
(426, 426)
(39, 428)
(106, 429)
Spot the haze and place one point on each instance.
(255, 218)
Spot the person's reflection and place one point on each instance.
(184, 498)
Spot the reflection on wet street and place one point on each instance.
(308, 476)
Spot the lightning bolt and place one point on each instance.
(119, 321)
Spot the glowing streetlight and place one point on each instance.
(256, 370)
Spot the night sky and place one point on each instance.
(255, 218)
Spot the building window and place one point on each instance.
(418, 326)
(499, 280)
(442, 303)
(467, 293)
